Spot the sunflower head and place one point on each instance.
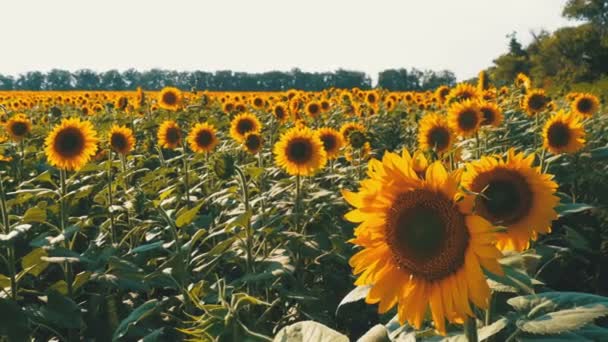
(434, 133)
(300, 152)
(492, 115)
(419, 248)
(585, 104)
(71, 144)
(535, 101)
(280, 112)
(523, 81)
(169, 134)
(18, 127)
(350, 127)
(563, 133)
(332, 142)
(202, 138)
(121, 139)
(462, 92)
(513, 194)
(313, 109)
(465, 118)
(121, 103)
(170, 98)
(253, 142)
(441, 93)
(242, 124)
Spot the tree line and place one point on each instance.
(86, 79)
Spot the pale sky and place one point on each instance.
(245, 35)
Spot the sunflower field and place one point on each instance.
(465, 213)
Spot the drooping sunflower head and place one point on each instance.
(441, 93)
(121, 139)
(535, 101)
(253, 142)
(492, 115)
(170, 98)
(169, 134)
(281, 112)
(349, 127)
(332, 141)
(585, 104)
(242, 124)
(18, 127)
(563, 133)
(420, 249)
(202, 138)
(465, 118)
(513, 194)
(71, 144)
(300, 152)
(462, 92)
(435, 133)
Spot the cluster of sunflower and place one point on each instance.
(432, 219)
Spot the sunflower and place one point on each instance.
(170, 98)
(253, 142)
(522, 80)
(435, 133)
(441, 93)
(513, 194)
(349, 127)
(492, 115)
(18, 127)
(121, 103)
(462, 92)
(300, 152)
(563, 133)
(121, 139)
(71, 144)
(169, 134)
(585, 104)
(243, 124)
(535, 101)
(202, 138)
(420, 248)
(313, 109)
(280, 112)
(332, 141)
(464, 118)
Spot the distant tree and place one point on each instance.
(33, 80)
(593, 11)
(86, 79)
(6, 82)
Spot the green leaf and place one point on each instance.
(563, 320)
(355, 295)
(15, 232)
(13, 321)
(143, 311)
(599, 153)
(512, 281)
(309, 331)
(148, 247)
(34, 214)
(572, 208)
(33, 262)
(62, 311)
(188, 216)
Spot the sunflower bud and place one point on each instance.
(223, 166)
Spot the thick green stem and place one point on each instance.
(186, 180)
(64, 192)
(297, 203)
(248, 231)
(10, 249)
(470, 329)
(110, 198)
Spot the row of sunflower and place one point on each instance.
(225, 214)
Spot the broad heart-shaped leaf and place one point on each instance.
(62, 311)
(188, 216)
(557, 312)
(355, 295)
(13, 322)
(309, 331)
(588, 333)
(34, 214)
(136, 315)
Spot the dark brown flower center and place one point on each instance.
(299, 151)
(584, 105)
(279, 112)
(244, 126)
(329, 142)
(505, 196)
(204, 138)
(558, 135)
(69, 142)
(173, 135)
(19, 129)
(537, 102)
(313, 109)
(488, 116)
(426, 234)
(439, 138)
(170, 98)
(253, 142)
(467, 120)
(119, 142)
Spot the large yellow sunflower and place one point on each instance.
(170, 98)
(535, 101)
(585, 104)
(202, 138)
(121, 139)
(420, 249)
(434, 133)
(513, 194)
(169, 134)
(242, 124)
(464, 118)
(332, 141)
(300, 152)
(71, 144)
(462, 92)
(313, 109)
(18, 127)
(563, 133)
